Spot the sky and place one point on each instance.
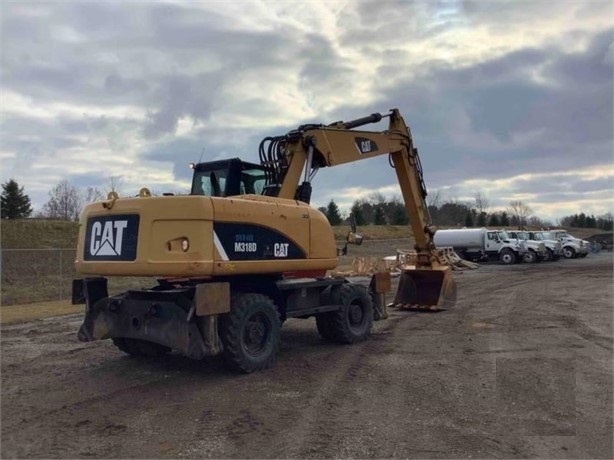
(512, 100)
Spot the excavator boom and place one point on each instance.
(301, 152)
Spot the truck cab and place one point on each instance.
(536, 250)
(480, 244)
(553, 248)
(507, 244)
(572, 247)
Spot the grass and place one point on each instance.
(22, 313)
(38, 234)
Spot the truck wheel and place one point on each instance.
(530, 257)
(549, 255)
(137, 347)
(507, 256)
(250, 333)
(352, 323)
(569, 253)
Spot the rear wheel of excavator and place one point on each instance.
(250, 333)
(137, 347)
(352, 322)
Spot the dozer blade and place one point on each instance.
(426, 288)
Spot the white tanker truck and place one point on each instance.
(479, 244)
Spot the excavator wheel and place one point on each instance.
(250, 333)
(352, 323)
(323, 321)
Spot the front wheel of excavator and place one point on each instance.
(250, 333)
(353, 321)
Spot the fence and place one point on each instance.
(39, 275)
(36, 275)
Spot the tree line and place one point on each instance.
(603, 222)
(377, 210)
(66, 202)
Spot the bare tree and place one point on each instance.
(92, 194)
(433, 200)
(482, 203)
(64, 202)
(114, 184)
(521, 211)
(377, 198)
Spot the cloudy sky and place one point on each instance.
(510, 99)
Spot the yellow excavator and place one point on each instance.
(244, 251)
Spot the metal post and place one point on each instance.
(61, 276)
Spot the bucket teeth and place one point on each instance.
(415, 307)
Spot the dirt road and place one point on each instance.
(522, 367)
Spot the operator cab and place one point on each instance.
(227, 178)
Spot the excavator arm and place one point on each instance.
(291, 161)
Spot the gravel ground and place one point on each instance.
(520, 368)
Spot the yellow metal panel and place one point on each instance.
(184, 216)
(287, 217)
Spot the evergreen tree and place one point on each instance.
(481, 219)
(469, 220)
(505, 220)
(332, 213)
(380, 216)
(359, 216)
(397, 214)
(493, 221)
(15, 203)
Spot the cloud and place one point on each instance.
(515, 95)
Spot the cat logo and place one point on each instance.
(364, 145)
(280, 249)
(106, 238)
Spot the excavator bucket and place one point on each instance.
(426, 288)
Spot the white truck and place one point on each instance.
(572, 247)
(554, 248)
(478, 244)
(536, 249)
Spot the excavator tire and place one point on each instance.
(250, 333)
(136, 347)
(352, 323)
(323, 321)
